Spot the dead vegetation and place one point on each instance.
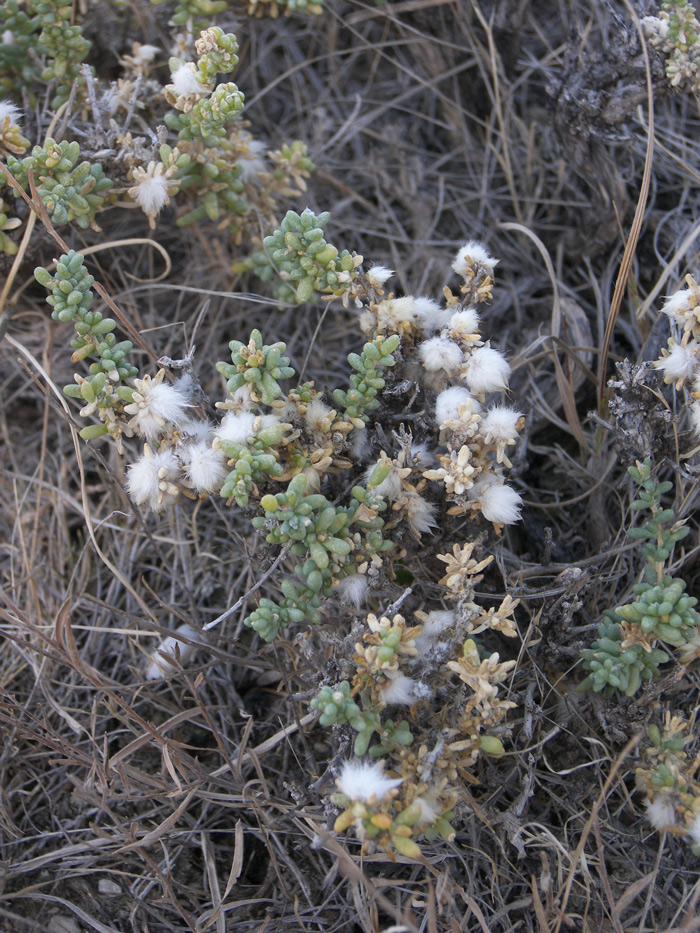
(197, 802)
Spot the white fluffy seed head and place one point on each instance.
(156, 406)
(661, 812)
(184, 81)
(678, 305)
(479, 256)
(236, 427)
(398, 691)
(252, 161)
(389, 487)
(144, 54)
(499, 423)
(205, 467)
(423, 456)
(378, 275)
(430, 315)
(316, 413)
(464, 323)
(269, 420)
(148, 479)
(440, 354)
(428, 813)
(359, 443)
(142, 480)
(8, 109)
(403, 691)
(152, 189)
(420, 514)
(163, 661)
(397, 310)
(448, 402)
(680, 363)
(352, 591)
(195, 429)
(242, 397)
(486, 370)
(437, 621)
(365, 781)
(500, 504)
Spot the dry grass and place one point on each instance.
(197, 803)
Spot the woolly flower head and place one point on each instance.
(185, 87)
(679, 362)
(360, 780)
(449, 402)
(352, 590)
(11, 139)
(464, 324)
(500, 504)
(205, 466)
(378, 275)
(152, 189)
(402, 691)
(156, 406)
(390, 486)
(10, 112)
(437, 621)
(430, 315)
(141, 57)
(251, 160)
(194, 429)
(661, 812)
(420, 514)
(392, 315)
(237, 427)
(440, 354)
(144, 54)
(432, 627)
(683, 308)
(486, 370)
(151, 480)
(499, 426)
(471, 255)
(242, 398)
(422, 456)
(319, 416)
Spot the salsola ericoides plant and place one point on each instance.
(300, 464)
(631, 641)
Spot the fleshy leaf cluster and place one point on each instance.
(71, 191)
(254, 462)
(327, 540)
(194, 13)
(304, 259)
(613, 667)
(61, 43)
(209, 116)
(626, 651)
(71, 299)
(366, 381)
(257, 365)
(18, 34)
